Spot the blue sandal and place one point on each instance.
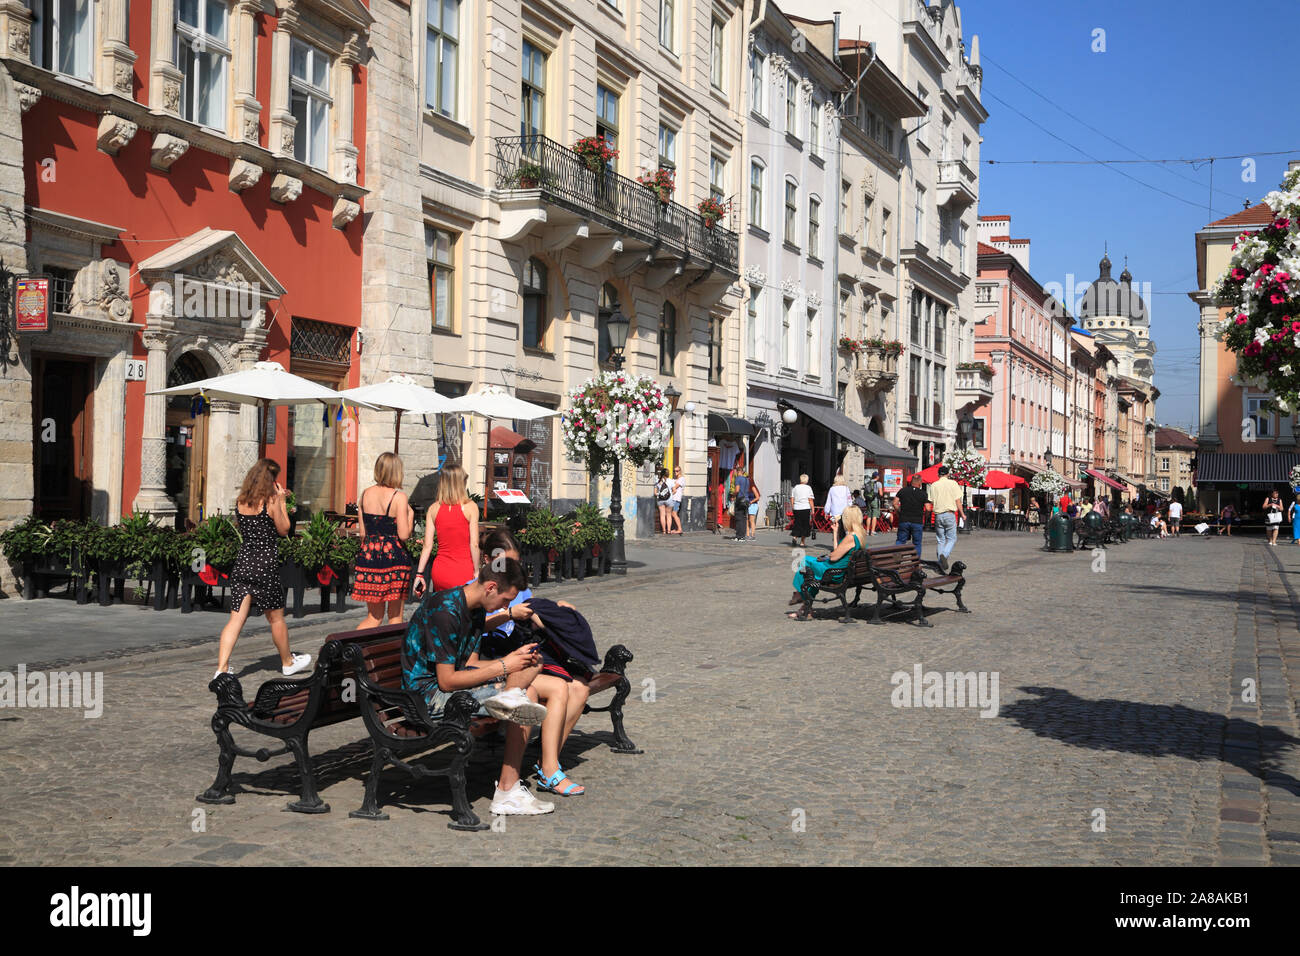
(552, 783)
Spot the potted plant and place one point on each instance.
(24, 545)
(712, 211)
(660, 182)
(108, 549)
(596, 154)
(291, 509)
(575, 541)
(539, 539)
(851, 345)
(529, 175)
(598, 533)
(344, 551)
(213, 547)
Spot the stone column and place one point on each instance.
(343, 163)
(247, 353)
(1209, 383)
(116, 60)
(164, 78)
(282, 121)
(159, 332)
(248, 110)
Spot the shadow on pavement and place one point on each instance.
(1154, 730)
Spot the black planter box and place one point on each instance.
(293, 578)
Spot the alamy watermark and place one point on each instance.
(76, 909)
(55, 689)
(949, 689)
(196, 298)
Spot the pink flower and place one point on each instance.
(1266, 268)
(1295, 326)
(1276, 298)
(1237, 273)
(1241, 320)
(1283, 277)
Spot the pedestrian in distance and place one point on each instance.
(663, 498)
(1273, 516)
(1226, 517)
(910, 505)
(837, 499)
(945, 496)
(801, 502)
(740, 504)
(255, 586)
(382, 578)
(754, 496)
(678, 486)
(452, 520)
(872, 494)
(1175, 516)
(1294, 513)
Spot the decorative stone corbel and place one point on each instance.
(243, 174)
(285, 188)
(166, 150)
(27, 96)
(114, 133)
(15, 30)
(345, 210)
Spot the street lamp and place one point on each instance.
(965, 425)
(618, 325)
(673, 395)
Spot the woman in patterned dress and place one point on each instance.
(383, 569)
(255, 579)
(453, 521)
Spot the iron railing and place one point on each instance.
(538, 162)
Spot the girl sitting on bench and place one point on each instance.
(813, 568)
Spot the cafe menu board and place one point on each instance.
(892, 479)
(32, 298)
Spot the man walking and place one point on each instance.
(1175, 516)
(945, 496)
(910, 503)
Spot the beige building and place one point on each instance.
(494, 255)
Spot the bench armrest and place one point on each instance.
(270, 693)
(616, 660)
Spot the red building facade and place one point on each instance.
(190, 184)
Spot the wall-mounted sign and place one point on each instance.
(32, 304)
(135, 369)
(511, 496)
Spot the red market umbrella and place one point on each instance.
(996, 479)
(930, 475)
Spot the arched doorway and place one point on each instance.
(187, 442)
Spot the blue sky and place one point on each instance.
(1176, 80)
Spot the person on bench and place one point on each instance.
(440, 656)
(854, 533)
(564, 694)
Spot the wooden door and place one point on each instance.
(187, 461)
(62, 435)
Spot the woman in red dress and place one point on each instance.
(383, 570)
(453, 521)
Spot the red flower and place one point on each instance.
(1276, 298)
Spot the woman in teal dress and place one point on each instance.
(854, 534)
(1295, 518)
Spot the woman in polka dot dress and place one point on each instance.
(255, 580)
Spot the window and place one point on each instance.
(814, 367)
(717, 177)
(923, 137)
(977, 433)
(309, 101)
(918, 227)
(532, 104)
(814, 227)
(846, 299)
(866, 220)
(203, 57)
(961, 247)
(536, 318)
(667, 339)
(916, 318)
(791, 105)
(884, 232)
(965, 149)
(62, 31)
(667, 26)
(1164, 484)
(667, 147)
(914, 388)
(945, 230)
(756, 175)
(442, 56)
(751, 323)
(791, 212)
(756, 74)
(937, 391)
(940, 327)
(717, 53)
(787, 360)
(846, 202)
(440, 251)
(1164, 464)
(945, 139)
(815, 129)
(607, 117)
(606, 307)
(715, 349)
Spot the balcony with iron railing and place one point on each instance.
(957, 184)
(560, 177)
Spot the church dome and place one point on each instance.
(1106, 297)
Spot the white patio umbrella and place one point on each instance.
(263, 385)
(403, 395)
(493, 401)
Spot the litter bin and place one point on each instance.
(1060, 533)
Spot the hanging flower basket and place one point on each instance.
(1261, 289)
(967, 467)
(595, 152)
(616, 417)
(1047, 483)
(660, 182)
(711, 211)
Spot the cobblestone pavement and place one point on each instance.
(1121, 693)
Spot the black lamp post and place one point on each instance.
(618, 327)
(965, 425)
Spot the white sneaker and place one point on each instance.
(518, 802)
(514, 705)
(228, 670)
(300, 663)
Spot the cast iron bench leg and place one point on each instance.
(844, 604)
(880, 599)
(219, 792)
(463, 815)
(309, 802)
(370, 804)
(622, 743)
(957, 594)
(920, 608)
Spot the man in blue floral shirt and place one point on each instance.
(440, 657)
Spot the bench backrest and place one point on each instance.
(899, 558)
(333, 707)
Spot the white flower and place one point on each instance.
(1262, 334)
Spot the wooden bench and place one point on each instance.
(895, 569)
(288, 709)
(837, 582)
(400, 725)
